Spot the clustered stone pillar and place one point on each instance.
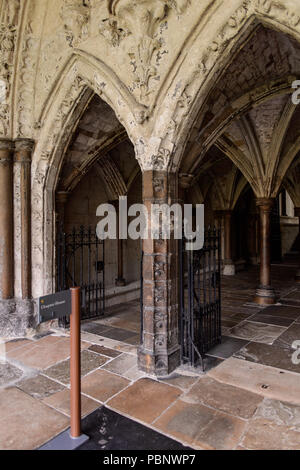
(23, 155)
(265, 294)
(229, 268)
(119, 281)
(6, 220)
(297, 214)
(159, 353)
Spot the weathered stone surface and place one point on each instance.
(9, 373)
(89, 362)
(201, 426)
(266, 381)
(232, 400)
(22, 415)
(40, 387)
(145, 400)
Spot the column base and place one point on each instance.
(265, 296)
(16, 317)
(120, 282)
(229, 269)
(160, 364)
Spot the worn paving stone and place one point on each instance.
(264, 380)
(227, 398)
(13, 345)
(227, 348)
(134, 340)
(289, 336)
(40, 387)
(89, 362)
(102, 385)
(258, 332)
(94, 328)
(61, 402)
(201, 426)
(26, 423)
(269, 355)
(9, 373)
(282, 311)
(104, 351)
(43, 353)
(145, 400)
(119, 334)
(272, 320)
(181, 381)
(263, 435)
(280, 413)
(121, 364)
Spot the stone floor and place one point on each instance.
(248, 398)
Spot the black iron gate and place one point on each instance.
(200, 319)
(80, 262)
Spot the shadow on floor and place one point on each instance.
(110, 431)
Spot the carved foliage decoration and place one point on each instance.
(75, 15)
(27, 80)
(145, 20)
(8, 34)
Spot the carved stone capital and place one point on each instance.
(265, 203)
(23, 150)
(6, 144)
(24, 144)
(185, 180)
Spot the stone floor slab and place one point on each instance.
(184, 382)
(118, 334)
(287, 339)
(227, 348)
(282, 311)
(26, 423)
(121, 364)
(61, 402)
(258, 332)
(257, 378)
(89, 362)
(272, 320)
(201, 426)
(223, 397)
(269, 355)
(104, 351)
(103, 385)
(40, 387)
(145, 400)
(94, 328)
(9, 373)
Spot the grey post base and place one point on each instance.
(64, 441)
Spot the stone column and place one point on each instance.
(6, 220)
(229, 267)
(119, 281)
(265, 294)
(297, 214)
(23, 154)
(159, 353)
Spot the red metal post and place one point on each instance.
(75, 363)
